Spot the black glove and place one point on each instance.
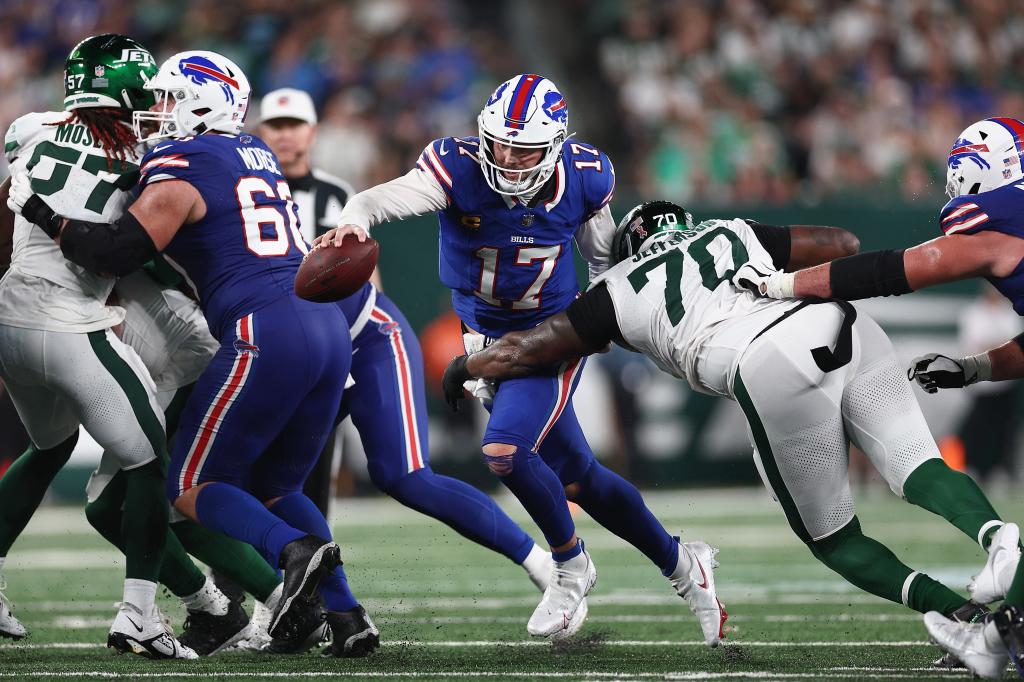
(935, 371)
(455, 375)
(36, 211)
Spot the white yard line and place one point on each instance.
(859, 673)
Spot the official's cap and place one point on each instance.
(287, 103)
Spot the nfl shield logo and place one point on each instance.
(528, 219)
(100, 70)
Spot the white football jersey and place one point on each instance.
(675, 301)
(42, 289)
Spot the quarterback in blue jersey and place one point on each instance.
(983, 236)
(217, 205)
(510, 204)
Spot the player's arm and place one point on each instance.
(585, 327)
(799, 246)
(415, 193)
(594, 240)
(894, 272)
(935, 371)
(123, 246)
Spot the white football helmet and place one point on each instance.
(209, 92)
(987, 155)
(529, 112)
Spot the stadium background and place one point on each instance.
(787, 111)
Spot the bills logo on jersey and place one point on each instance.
(965, 149)
(201, 70)
(555, 107)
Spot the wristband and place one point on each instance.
(977, 368)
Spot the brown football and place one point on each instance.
(330, 273)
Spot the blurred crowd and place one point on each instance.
(717, 101)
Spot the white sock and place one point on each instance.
(208, 599)
(537, 565)
(274, 598)
(683, 566)
(141, 594)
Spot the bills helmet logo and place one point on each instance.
(637, 228)
(555, 107)
(497, 94)
(965, 149)
(201, 70)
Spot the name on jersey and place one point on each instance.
(516, 239)
(73, 133)
(258, 159)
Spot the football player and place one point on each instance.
(59, 356)
(216, 203)
(983, 236)
(510, 202)
(810, 378)
(387, 402)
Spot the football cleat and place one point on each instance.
(697, 587)
(570, 582)
(1009, 622)
(306, 562)
(968, 613)
(1003, 556)
(983, 653)
(9, 625)
(574, 625)
(353, 634)
(147, 637)
(207, 634)
(309, 629)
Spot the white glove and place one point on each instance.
(20, 191)
(481, 389)
(770, 284)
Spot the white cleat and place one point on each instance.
(570, 582)
(697, 587)
(9, 625)
(1003, 556)
(984, 656)
(135, 634)
(575, 624)
(259, 627)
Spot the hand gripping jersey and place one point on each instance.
(674, 298)
(244, 253)
(510, 265)
(70, 171)
(999, 210)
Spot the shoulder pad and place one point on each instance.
(448, 159)
(26, 131)
(170, 159)
(964, 215)
(595, 171)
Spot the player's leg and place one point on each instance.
(388, 408)
(115, 399)
(523, 413)
(793, 410)
(318, 486)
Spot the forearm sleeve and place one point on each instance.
(592, 315)
(108, 249)
(414, 193)
(594, 240)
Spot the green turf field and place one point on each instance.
(448, 609)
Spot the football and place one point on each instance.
(330, 273)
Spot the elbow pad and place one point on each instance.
(109, 249)
(874, 273)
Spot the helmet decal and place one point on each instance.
(201, 70)
(965, 149)
(497, 93)
(1016, 130)
(554, 106)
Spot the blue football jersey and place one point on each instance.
(511, 267)
(244, 253)
(999, 210)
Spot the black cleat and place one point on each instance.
(308, 628)
(1009, 622)
(207, 634)
(229, 587)
(354, 634)
(306, 562)
(970, 612)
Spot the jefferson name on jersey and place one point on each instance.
(509, 264)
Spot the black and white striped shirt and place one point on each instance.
(320, 198)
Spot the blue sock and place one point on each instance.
(539, 491)
(570, 553)
(463, 508)
(238, 514)
(301, 511)
(616, 504)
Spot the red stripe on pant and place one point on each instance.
(404, 389)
